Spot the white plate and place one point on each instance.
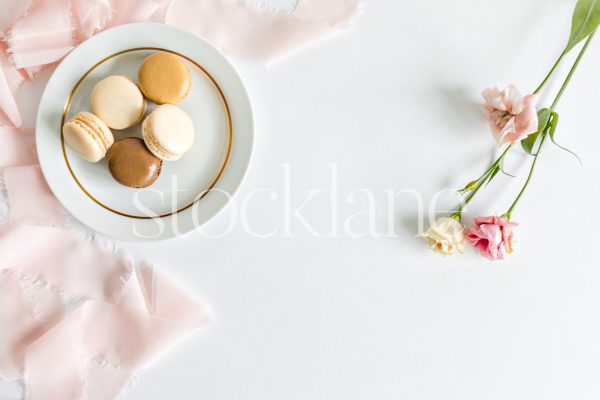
(189, 191)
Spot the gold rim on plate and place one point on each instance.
(66, 110)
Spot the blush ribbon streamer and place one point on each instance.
(76, 320)
(44, 31)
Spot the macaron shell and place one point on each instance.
(82, 143)
(164, 78)
(118, 102)
(153, 146)
(88, 136)
(168, 132)
(132, 165)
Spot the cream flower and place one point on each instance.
(445, 236)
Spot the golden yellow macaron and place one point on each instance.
(164, 78)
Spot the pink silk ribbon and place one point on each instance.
(252, 33)
(77, 320)
(44, 31)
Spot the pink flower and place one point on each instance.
(511, 117)
(492, 236)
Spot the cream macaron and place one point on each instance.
(168, 132)
(88, 136)
(118, 102)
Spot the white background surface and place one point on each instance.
(393, 101)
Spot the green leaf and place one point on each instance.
(553, 125)
(503, 171)
(586, 19)
(529, 142)
(492, 175)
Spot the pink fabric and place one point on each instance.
(15, 309)
(126, 11)
(10, 80)
(122, 322)
(30, 199)
(44, 35)
(249, 32)
(128, 316)
(91, 16)
(44, 31)
(17, 147)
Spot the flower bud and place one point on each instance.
(470, 186)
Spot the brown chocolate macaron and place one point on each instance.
(132, 164)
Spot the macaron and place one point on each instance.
(168, 132)
(164, 78)
(88, 136)
(118, 102)
(131, 164)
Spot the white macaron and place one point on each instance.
(118, 102)
(168, 132)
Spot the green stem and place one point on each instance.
(545, 133)
(510, 210)
(458, 213)
(494, 165)
(551, 71)
(469, 197)
(572, 71)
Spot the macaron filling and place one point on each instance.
(94, 131)
(154, 145)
